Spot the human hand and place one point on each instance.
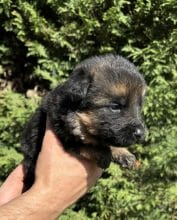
(60, 178)
(66, 177)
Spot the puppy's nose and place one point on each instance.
(139, 134)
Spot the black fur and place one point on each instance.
(114, 118)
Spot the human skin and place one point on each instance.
(60, 180)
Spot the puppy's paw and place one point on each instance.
(123, 157)
(126, 161)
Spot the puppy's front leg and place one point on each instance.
(102, 155)
(123, 157)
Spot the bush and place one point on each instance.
(42, 41)
(15, 110)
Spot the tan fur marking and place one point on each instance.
(85, 118)
(117, 151)
(87, 128)
(119, 89)
(101, 100)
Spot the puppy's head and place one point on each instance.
(102, 101)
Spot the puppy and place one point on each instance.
(95, 113)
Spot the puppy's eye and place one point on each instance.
(115, 107)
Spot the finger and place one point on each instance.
(13, 185)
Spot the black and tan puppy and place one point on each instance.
(96, 113)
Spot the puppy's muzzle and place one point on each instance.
(139, 133)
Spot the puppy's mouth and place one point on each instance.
(122, 143)
(122, 140)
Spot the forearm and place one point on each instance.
(43, 204)
(31, 205)
(60, 180)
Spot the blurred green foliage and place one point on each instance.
(15, 110)
(42, 41)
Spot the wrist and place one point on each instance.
(46, 206)
(54, 200)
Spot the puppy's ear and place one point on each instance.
(78, 84)
(76, 88)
